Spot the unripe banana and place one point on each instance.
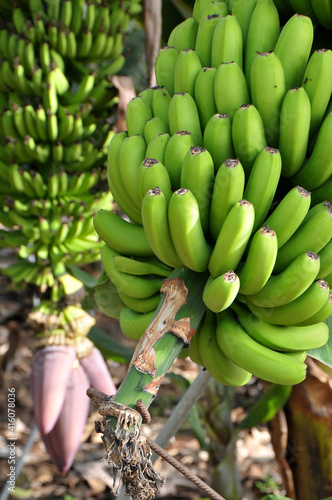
(248, 135)
(323, 192)
(141, 267)
(164, 67)
(317, 82)
(204, 94)
(124, 237)
(237, 345)
(325, 256)
(197, 175)
(294, 130)
(187, 232)
(175, 151)
(321, 315)
(137, 113)
(259, 262)
(312, 235)
(318, 168)
(199, 7)
(263, 32)
(156, 227)
(262, 183)
(186, 69)
(204, 38)
(297, 311)
(242, 10)
(183, 115)
(114, 179)
(212, 8)
(153, 174)
(232, 239)
(230, 88)
(133, 286)
(154, 126)
(160, 103)
(293, 48)
(193, 349)
(290, 283)
(227, 190)
(227, 44)
(292, 208)
(281, 338)
(183, 36)
(267, 86)
(219, 293)
(133, 324)
(157, 147)
(132, 153)
(323, 12)
(217, 364)
(218, 139)
(140, 305)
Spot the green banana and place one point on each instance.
(156, 227)
(317, 82)
(153, 174)
(133, 286)
(124, 237)
(230, 88)
(157, 147)
(263, 32)
(248, 135)
(212, 8)
(186, 230)
(311, 236)
(137, 113)
(325, 256)
(160, 103)
(281, 338)
(133, 324)
(232, 239)
(219, 293)
(197, 175)
(242, 10)
(321, 315)
(227, 190)
(296, 311)
(204, 94)
(270, 365)
(165, 66)
(267, 86)
(294, 130)
(227, 43)
(183, 115)
(292, 208)
(290, 283)
(218, 139)
(141, 267)
(323, 12)
(293, 48)
(193, 349)
(140, 305)
(204, 38)
(259, 263)
(176, 149)
(217, 364)
(154, 126)
(323, 192)
(262, 183)
(131, 155)
(183, 36)
(186, 69)
(318, 168)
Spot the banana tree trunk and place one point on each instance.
(306, 460)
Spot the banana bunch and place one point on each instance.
(225, 168)
(56, 95)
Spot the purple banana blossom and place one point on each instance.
(64, 439)
(59, 381)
